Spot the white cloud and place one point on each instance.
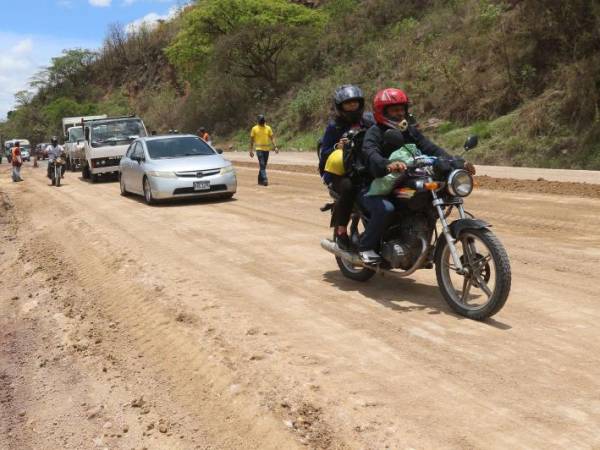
(23, 56)
(150, 20)
(100, 3)
(23, 47)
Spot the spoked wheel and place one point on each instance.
(482, 290)
(349, 270)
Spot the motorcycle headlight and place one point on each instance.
(460, 183)
(157, 173)
(227, 169)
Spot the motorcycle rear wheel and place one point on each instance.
(356, 273)
(484, 289)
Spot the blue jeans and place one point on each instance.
(263, 158)
(16, 173)
(380, 209)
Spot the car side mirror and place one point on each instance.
(471, 142)
(219, 151)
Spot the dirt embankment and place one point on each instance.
(539, 185)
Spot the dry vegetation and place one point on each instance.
(523, 74)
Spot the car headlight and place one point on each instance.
(227, 169)
(460, 183)
(159, 174)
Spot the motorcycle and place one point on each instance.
(56, 170)
(472, 267)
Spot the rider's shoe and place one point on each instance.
(369, 257)
(343, 242)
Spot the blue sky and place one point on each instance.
(33, 31)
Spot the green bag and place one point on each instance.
(384, 185)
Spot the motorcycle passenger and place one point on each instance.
(54, 151)
(349, 104)
(390, 108)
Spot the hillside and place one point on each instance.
(523, 74)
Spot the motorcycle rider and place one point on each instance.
(349, 105)
(54, 151)
(390, 108)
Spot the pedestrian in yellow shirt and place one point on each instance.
(261, 139)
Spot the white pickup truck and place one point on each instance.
(106, 141)
(73, 134)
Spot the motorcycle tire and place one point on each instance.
(361, 274)
(502, 276)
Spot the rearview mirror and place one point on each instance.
(219, 151)
(471, 142)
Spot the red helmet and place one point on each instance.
(385, 98)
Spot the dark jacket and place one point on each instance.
(375, 154)
(334, 132)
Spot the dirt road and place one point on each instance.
(224, 325)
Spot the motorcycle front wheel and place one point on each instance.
(482, 290)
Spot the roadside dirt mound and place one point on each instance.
(539, 186)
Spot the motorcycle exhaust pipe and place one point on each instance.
(331, 247)
(354, 259)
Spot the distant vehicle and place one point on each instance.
(25, 149)
(41, 150)
(105, 142)
(73, 143)
(175, 166)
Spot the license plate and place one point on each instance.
(202, 185)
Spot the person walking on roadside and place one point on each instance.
(203, 134)
(262, 140)
(17, 162)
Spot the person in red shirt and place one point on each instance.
(17, 162)
(203, 134)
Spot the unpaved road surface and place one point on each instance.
(224, 325)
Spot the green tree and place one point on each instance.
(248, 38)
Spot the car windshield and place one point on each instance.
(75, 134)
(25, 147)
(117, 131)
(178, 147)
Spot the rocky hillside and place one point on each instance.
(523, 74)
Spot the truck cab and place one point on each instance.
(73, 139)
(106, 141)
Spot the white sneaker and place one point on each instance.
(369, 257)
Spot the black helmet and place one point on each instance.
(261, 119)
(54, 140)
(346, 93)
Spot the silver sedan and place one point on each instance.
(175, 166)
